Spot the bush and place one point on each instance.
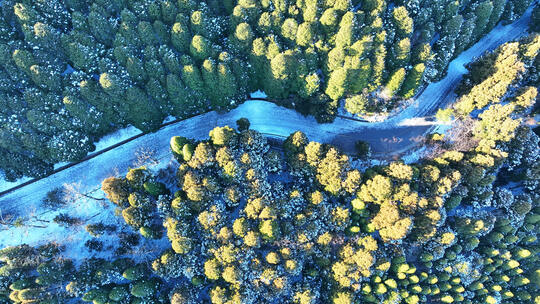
(65, 220)
(54, 198)
(155, 188)
(363, 149)
(144, 288)
(243, 124)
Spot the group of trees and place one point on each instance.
(42, 275)
(74, 70)
(252, 223)
(247, 222)
(246, 219)
(263, 216)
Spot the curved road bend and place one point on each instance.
(393, 135)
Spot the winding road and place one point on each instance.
(392, 136)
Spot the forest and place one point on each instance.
(245, 219)
(72, 71)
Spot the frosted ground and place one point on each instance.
(396, 134)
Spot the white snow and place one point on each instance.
(258, 94)
(116, 137)
(39, 228)
(4, 184)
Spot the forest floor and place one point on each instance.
(396, 134)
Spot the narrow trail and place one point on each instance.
(388, 137)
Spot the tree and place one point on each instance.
(305, 34)
(402, 21)
(389, 223)
(337, 84)
(329, 20)
(483, 14)
(345, 34)
(525, 97)
(356, 104)
(289, 29)
(444, 115)
(244, 36)
(332, 170)
(342, 298)
(242, 124)
(377, 189)
(395, 82)
(116, 189)
(496, 124)
(401, 53)
(222, 136)
(412, 81)
(180, 36)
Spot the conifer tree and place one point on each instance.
(402, 21)
(483, 13)
(337, 84)
(412, 81)
(345, 36)
(394, 82)
(180, 36)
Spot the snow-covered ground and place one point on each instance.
(38, 226)
(396, 134)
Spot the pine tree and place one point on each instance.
(465, 35)
(244, 36)
(345, 34)
(395, 82)
(257, 59)
(444, 49)
(289, 29)
(401, 53)
(412, 81)
(305, 34)
(329, 20)
(453, 26)
(228, 84)
(402, 21)
(483, 14)
(200, 47)
(378, 65)
(311, 10)
(356, 104)
(496, 13)
(180, 36)
(337, 84)
(143, 114)
(168, 11)
(358, 75)
(209, 75)
(146, 33)
(336, 59)
(100, 27)
(191, 76)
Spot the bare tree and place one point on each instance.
(73, 193)
(145, 156)
(460, 135)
